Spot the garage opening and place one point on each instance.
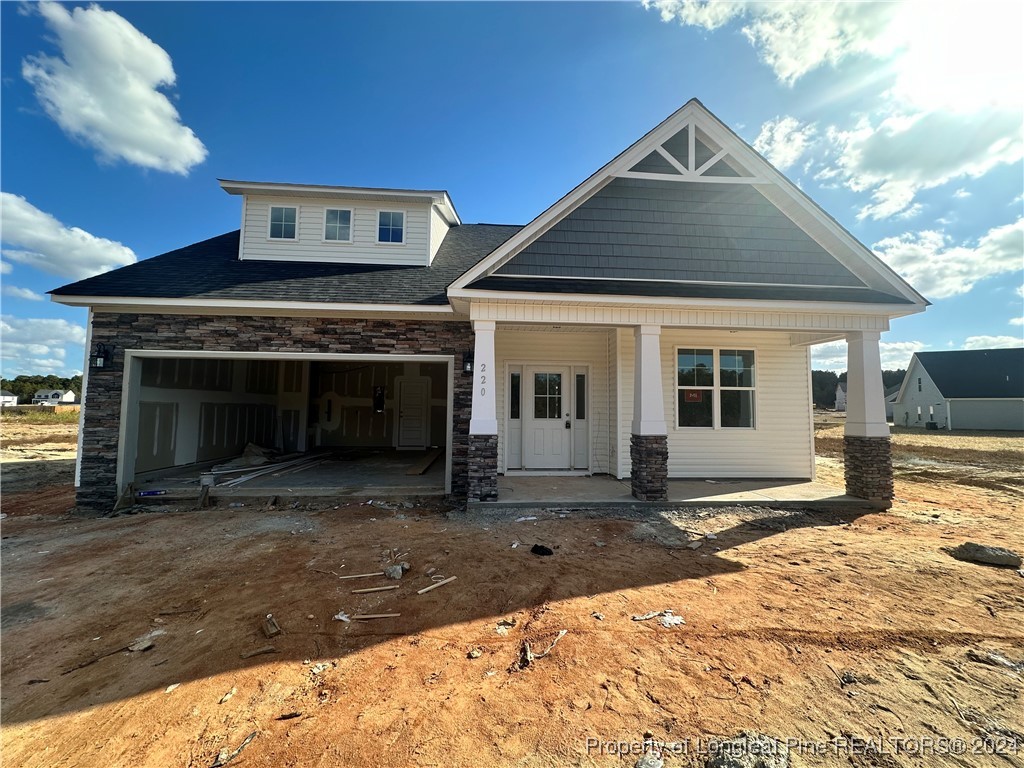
(329, 425)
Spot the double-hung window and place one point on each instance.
(391, 227)
(283, 220)
(715, 388)
(338, 225)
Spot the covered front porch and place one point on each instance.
(518, 491)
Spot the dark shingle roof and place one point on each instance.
(211, 270)
(685, 290)
(976, 372)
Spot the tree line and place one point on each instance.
(26, 386)
(823, 385)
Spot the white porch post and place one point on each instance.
(866, 448)
(648, 445)
(865, 397)
(648, 399)
(484, 417)
(482, 446)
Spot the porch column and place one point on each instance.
(866, 445)
(648, 445)
(482, 465)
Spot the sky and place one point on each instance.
(118, 118)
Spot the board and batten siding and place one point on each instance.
(780, 446)
(311, 246)
(544, 346)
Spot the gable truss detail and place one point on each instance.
(687, 169)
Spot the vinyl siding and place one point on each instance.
(310, 245)
(591, 348)
(780, 446)
(438, 229)
(904, 412)
(988, 414)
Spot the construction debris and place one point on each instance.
(396, 571)
(668, 618)
(289, 716)
(374, 589)
(476, 653)
(364, 616)
(973, 552)
(504, 625)
(437, 584)
(527, 656)
(226, 757)
(340, 616)
(270, 626)
(362, 575)
(259, 652)
(227, 696)
(541, 551)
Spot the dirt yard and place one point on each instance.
(853, 635)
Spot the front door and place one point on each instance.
(547, 433)
(412, 413)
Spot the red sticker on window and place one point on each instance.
(693, 395)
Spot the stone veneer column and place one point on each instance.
(648, 445)
(866, 447)
(483, 424)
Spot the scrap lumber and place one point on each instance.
(437, 584)
(374, 589)
(424, 464)
(363, 616)
(362, 575)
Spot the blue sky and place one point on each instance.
(117, 119)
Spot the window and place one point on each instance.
(338, 225)
(715, 388)
(514, 388)
(282, 222)
(547, 395)
(391, 227)
(918, 385)
(581, 396)
(919, 413)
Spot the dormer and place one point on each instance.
(353, 225)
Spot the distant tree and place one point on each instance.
(26, 386)
(893, 378)
(823, 386)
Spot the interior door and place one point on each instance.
(413, 405)
(547, 428)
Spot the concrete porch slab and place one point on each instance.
(523, 491)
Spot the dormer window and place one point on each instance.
(391, 227)
(282, 222)
(338, 225)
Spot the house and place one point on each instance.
(841, 396)
(967, 389)
(7, 398)
(890, 400)
(654, 322)
(53, 397)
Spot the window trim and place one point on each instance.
(716, 390)
(270, 215)
(405, 226)
(351, 226)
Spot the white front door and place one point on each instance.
(547, 433)
(412, 413)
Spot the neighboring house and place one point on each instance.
(53, 397)
(7, 398)
(841, 396)
(654, 322)
(890, 400)
(969, 389)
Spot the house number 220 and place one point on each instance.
(483, 379)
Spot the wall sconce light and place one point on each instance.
(467, 363)
(103, 357)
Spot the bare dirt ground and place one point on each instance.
(817, 627)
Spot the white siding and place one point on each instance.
(904, 412)
(438, 229)
(311, 246)
(542, 346)
(780, 446)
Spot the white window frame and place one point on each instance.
(351, 226)
(270, 214)
(716, 390)
(405, 226)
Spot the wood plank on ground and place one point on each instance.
(424, 464)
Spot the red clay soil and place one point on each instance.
(778, 608)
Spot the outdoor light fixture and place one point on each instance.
(103, 357)
(467, 363)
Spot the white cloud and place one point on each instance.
(22, 293)
(992, 342)
(37, 345)
(831, 356)
(1017, 321)
(940, 270)
(961, 194)
(105, 90)
(903, 154)
(1020, 291)
(784, 140)
(43, 242)
(5, 268)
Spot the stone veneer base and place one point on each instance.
(482, 466)
(649, 467)
(868, 471)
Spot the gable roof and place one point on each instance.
(975, 373)
(740, 222)
(211, 270)
(5, 393)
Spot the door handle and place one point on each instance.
(568, 424)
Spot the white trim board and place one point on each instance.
(251, 307)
